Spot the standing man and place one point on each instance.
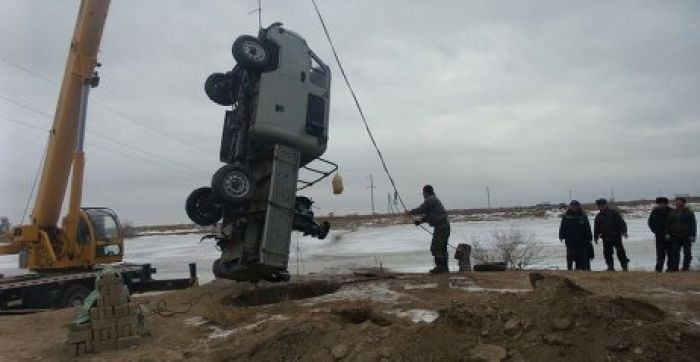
(435, 215)
(612, 228)
(569, 249)
(575, 232)
(657, 224)
(681, 230)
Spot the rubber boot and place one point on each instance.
(436, 268)
(440, 266)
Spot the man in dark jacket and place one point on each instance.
(612, 228)
(657, 224)
(681, 229)
(435, 215)
(575, 232)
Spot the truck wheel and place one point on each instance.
(74, 296)
(250, 53)
(325, 228)
(200, 207)
(218, 89)
(233, 184)
(215, 268)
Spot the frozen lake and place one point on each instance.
(400, 248)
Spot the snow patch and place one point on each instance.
(417, 315)
(420, 286)
(379, 292)
(470, 286)
(194, 321)
(663, 291)
(218, 332)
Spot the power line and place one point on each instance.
(151, 128)
(104, 148)
(107, 108)
(144, 160)
(108, 138)
(30, 125)
(27, 70)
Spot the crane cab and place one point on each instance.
(102, 229)
(98, 240)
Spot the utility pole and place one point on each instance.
(389, 206)
(571, 197)
(371, 191)
(488, 197)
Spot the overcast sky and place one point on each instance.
(531, 98)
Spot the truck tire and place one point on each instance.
(74, 296)
(200, 207)
(250, 53)
(215, 268)
(233, 184)
(218, 88)
(490, 267)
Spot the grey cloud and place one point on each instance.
(531, 98)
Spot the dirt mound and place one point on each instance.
(556, 284)
(357, 315)
(558, 320)
(561, 319)
(406, 318)
(627, 308)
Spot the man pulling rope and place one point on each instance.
(435, 215)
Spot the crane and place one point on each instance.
(86, 236)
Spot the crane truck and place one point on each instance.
(66, 258)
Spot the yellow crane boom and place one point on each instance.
(80, 69)
(88, 236)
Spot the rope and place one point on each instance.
(362, 115)
(359, 107)
(397, 195)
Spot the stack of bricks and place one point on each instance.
(113, 320)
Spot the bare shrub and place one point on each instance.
(517, 248)
(128, 230)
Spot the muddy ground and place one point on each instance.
(403, 317)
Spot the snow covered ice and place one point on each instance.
(400, 248)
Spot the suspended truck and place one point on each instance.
(279, 99)
(66, 258)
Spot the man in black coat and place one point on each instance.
(610, 226)
(681, 229)
(657, 224)
(575, 232)
(435, 215)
